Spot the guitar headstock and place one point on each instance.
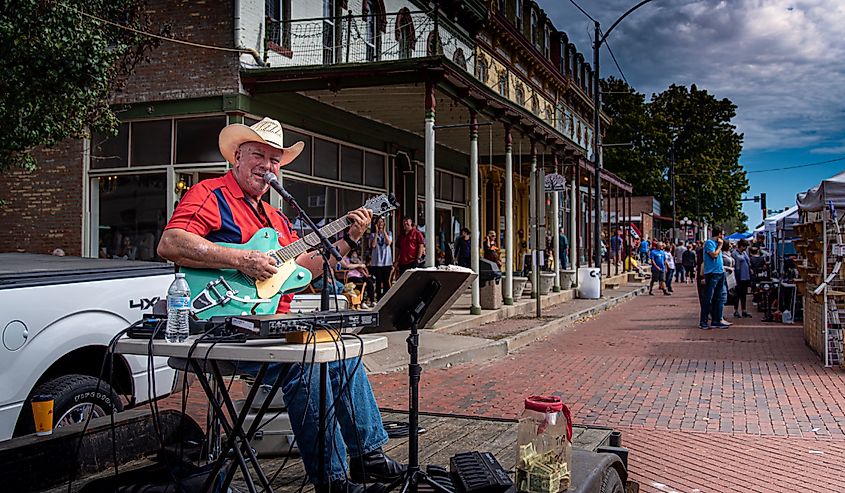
(382, 204)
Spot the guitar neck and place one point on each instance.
(311, 240)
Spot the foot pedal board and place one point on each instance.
(479, 472)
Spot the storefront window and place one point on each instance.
(151, 143)
(132, 215)
(319, 201)
(325, 159)
(196, 140)
(110, 152)
(374, 172)
(302, 164)
(352, 165)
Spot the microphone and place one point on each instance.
(271, 180)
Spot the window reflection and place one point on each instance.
(132, 215)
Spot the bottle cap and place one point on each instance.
(180, 274)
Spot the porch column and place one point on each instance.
(556, 233)
(619, 249)
(475, 306)
(533, 220)
(588, 231)
(573, 222)
(509, 253)
(430, 232)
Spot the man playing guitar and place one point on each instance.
(230, 209)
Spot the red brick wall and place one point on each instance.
(43, 209)
(177, 71)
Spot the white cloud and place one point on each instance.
(780, 61)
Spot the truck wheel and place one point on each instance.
(611, 482)
(75, 396)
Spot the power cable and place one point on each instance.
(797, 166)
(158, 36)
(582, 10)
(606, 43)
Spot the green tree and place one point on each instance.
(690, 126)
(60, 67)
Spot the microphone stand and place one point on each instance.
(325, 248)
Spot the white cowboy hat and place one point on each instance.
(267, 131)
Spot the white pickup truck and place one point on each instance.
(57, 316)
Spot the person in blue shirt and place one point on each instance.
(715, 294)
(644, 248)
(658, 269)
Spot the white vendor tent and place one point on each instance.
(783, 220)
(817, 198)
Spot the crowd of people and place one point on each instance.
(723, 272)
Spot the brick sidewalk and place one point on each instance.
(719, 410)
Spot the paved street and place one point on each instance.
(744, 409)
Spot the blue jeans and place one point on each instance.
(353, 418)
(714, 299)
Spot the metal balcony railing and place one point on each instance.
(359, 38)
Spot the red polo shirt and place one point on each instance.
(409, 244)
(217, 210)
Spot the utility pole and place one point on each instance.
(674, 203)
(597, 154)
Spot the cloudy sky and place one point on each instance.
(780, 61)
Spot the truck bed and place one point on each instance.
(18, 270)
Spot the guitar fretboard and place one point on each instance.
(311, 240)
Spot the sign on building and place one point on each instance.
(554, 182)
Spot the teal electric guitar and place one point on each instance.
(231, 292)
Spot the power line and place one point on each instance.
(798, 166)
(616, 63)
(582, 10)
(157, 36)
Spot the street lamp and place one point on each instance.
(685, 224)
(599, 39)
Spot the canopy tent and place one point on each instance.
(784, 220)
(829, 190)
(739, 236)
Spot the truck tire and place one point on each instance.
(611, 482)
(74, 396)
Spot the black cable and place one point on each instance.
(606, 43)
(96, 391)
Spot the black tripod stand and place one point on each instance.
(410, 319)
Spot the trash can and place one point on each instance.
(490, 284)
(567, 279)
(547, 280)
(590, 283)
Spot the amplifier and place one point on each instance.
(479, 472)
(272, 326)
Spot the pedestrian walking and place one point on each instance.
(658, 269)
(644, 250)
(669, 259)
(680, 270)
(689, 262)
(381, 256)
(742, 273)
(714, 294)
(462, 248)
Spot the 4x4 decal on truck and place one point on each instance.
(143, 303)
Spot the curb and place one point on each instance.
(503, 347)
(517, 341)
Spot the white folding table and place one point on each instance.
(206, 358)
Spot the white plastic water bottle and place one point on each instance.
(178, 310)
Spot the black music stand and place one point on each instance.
(418, 298)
